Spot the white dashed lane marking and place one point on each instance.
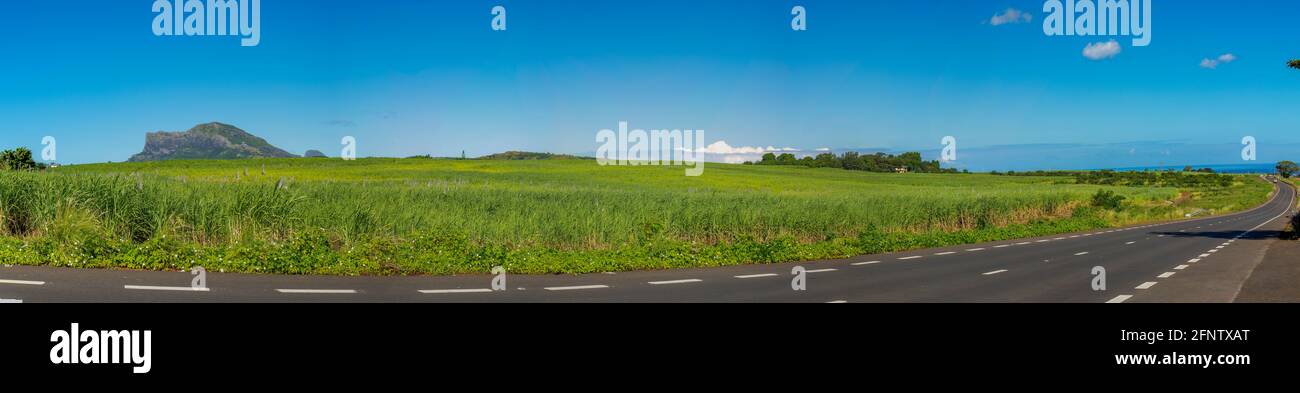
(671, 282)
(158, 288)
(911, 257)
(576, 288)
(1147, 285)
(864, 263)
(946, 253)
(757, 275)
(454, 291)
(995, 272)
(318, 291)
(822, 270)
(1120, 299)
(22, 282)
(1166, 275)
(975, 249)
(1180, 267)
(1081, 253)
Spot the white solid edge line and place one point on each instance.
(670, 282)
(576, 287)
(1147, 285)
(756, 275)
(22, 282)
(317, 291)
(1120, 299)
(995, 272)
(452, 291)
(158, 288)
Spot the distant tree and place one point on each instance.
(786, 159)
(768, 159)
(1187, 168)
(1287, 169)
(852, 161)
(19, 159)
(1294, 64)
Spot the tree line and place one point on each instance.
(854, 161)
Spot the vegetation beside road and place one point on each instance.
(435, 216)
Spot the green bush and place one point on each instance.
(1107, 199)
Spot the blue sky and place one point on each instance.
(431, 77)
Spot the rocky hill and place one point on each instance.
(207, 141)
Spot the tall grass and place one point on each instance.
(390, 216)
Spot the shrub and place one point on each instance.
(1107, 199)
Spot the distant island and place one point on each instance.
(210, 141)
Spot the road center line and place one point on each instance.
(157, 288)
(576, 288)
(452, 291)
(671, 282)
(1120, 299)
(22, 282)
(317, 291)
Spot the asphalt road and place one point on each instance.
(1198, 260)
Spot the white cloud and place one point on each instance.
(1101, 50)
(1011, 15)
(1211, 64)
(724, 152)
(722, 147)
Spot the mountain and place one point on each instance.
(207, 141)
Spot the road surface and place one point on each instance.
(1198, 260)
